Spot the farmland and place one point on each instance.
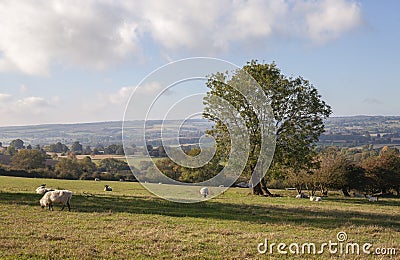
(129, 222)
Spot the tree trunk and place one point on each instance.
(261, 189)
(257, 190)
(345, 192)
(265, 189)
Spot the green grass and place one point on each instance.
(131, 223)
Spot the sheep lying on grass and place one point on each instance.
(56, 196)
(107, 188)
(371, 199)
(301, 196)
(204, 192)
(312, 198)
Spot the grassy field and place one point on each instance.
(130, 223)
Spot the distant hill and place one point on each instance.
(356, 131)
(104, 133)
(343, 131)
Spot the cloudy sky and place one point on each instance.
(78, 61)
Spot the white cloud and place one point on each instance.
(35, 34)
(121, 97)
(14, 110)
(4, 97)
(328, 19)
(372, 101)
(94, 34)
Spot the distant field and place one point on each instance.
(131, 223)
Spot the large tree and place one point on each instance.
(298, 112)
(28, 159)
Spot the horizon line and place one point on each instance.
(116, 121)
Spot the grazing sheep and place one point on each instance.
(56, 196)
(107, 188)
(204, 192)
(96, 179)
(312, 198)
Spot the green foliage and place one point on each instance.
(113, 165)
(58, 148)
(189, 175)
(114, 149)
(17, 144)
(10, 150)
(77, 147)
(297, 109)
(68, 168)
(28, 159)
(384, 171)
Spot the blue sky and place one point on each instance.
(79, 61)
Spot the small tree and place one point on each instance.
(17, 144)
(77, 147)
(113, 165)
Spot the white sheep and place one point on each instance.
(373, 199)
(42, 189)
(312, 198)
(204, 192)
(107, 188)
(301, 196)
(56, 196)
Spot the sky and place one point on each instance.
(79, 61)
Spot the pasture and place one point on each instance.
(131, 223)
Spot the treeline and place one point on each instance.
(36, 164)
(367, 172)
(63, 149)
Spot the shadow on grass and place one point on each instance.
(259, 214)
(365, 201)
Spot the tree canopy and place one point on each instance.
(28, 159)
(298, 112)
